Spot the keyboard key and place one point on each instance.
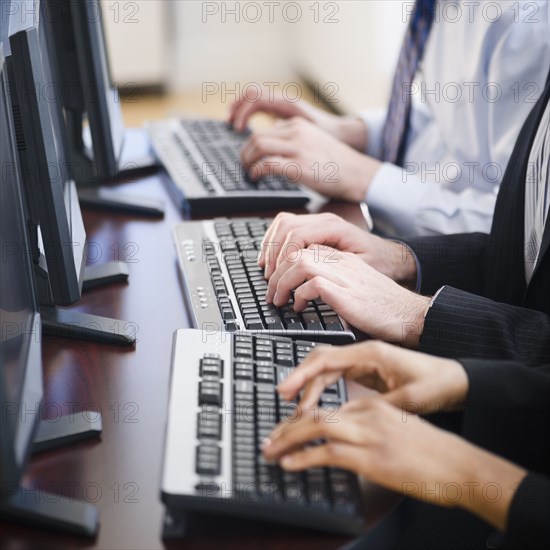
(209, 431)
(312, 321)
(209, 424)
(244, 387)
(245, 443)
(285, 360)
(332, 323)
(265, 377)
(284, 347)
(264, 355)
(243, 351)
(211, 367)
(254, 324)
(210, 392)
(246, 486)
(242, 374)
(228, 314)
(293, 488)
(270, 492)
(208, 459)
(274, 323)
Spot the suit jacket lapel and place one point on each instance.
(506, 248)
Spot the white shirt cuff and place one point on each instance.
(374, 119)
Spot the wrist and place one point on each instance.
(353, 131)
(412, 317)
(360, 175)
(491, 483)
(455, 384)
(404, 267)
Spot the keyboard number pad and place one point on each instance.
(209, 425)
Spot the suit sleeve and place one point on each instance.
(455, 260)
(508, 412)
(528, 518)
(461, 324)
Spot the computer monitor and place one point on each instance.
(20, 354)
(88, 89)
(46, 171)
(22, 432)
(46, 167)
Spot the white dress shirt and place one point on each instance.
(537, 194)
(487, 67)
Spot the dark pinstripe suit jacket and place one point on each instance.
(487, 309)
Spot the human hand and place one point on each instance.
(289, 233)
(307, 154)
(399, 451)
(373, 439)
(349, 130)
(409, 380)
(361, 295)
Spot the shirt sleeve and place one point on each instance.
(404, 203)
(374, 120)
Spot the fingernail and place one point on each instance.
(268, 297)
(287, 461)
(276, 299)
(265, 443)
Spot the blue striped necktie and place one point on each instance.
(396, 127)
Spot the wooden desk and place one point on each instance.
(121, 473)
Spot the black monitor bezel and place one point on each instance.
(57, 205)
(81, 48)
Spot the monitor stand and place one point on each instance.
(90, 192)
(96, 276)
(74, 324)
(51, 511)
(82, 326)
(136, 158)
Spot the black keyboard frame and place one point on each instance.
(200, 196)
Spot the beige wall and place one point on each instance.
(137, 40)
(348, 47)
(352, 50)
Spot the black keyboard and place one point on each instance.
(223, 404)
(226, 288)
(203, 159)
(221, 148)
